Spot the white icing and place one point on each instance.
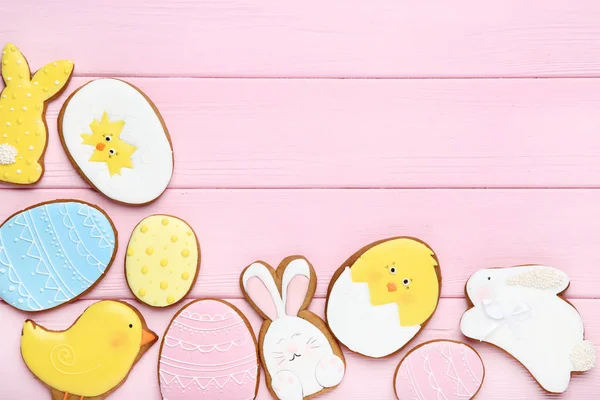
(153, 159)
(374, 331)
(261, 272)
(8, 154)
(540, 278)
(304, 367)
(528, 321)
(292, 346)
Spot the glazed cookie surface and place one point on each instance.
(117, 140)
(300, 356)
(162, 261)
(23, 133)
(439, 369)
(92, 357)
(383, 295)
(518, 310)
(54, 252)
(209, 351)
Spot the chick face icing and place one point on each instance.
(401, 271)
(383, 294)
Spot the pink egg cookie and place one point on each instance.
(439, 369)
(208, 352)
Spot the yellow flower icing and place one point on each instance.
(108, 145)
(160, 270)
(23, 133)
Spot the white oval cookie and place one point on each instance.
(117, 140)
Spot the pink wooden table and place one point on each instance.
(489, 165)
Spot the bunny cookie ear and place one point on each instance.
(14, 66)
(539, 277)
(258, 284)
(295, 286)
(52, 77)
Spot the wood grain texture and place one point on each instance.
(369, 133)
(505, 378)
(490, 172)
(468, 229)
(268, 38)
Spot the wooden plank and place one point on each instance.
(505, 378)
(369, 133)
(468, 229)
(266, 38)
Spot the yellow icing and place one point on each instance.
(91, 357)
(108, 145)
(401, 271)
(161, 267)
(23, 133)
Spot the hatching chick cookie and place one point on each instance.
(117, 140)
(162, 261)
(383, 295)
(23, 133)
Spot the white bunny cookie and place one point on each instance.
(518, 310)
(297, 350)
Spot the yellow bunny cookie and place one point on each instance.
(23, 133)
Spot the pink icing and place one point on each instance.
(439, 370)
(208, 353)
(296, 293)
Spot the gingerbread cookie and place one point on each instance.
(300, 356)
(117, 141)
(439, 369)
(518, 310)
(54, 252)
(381, 297)
(23, 133)
(162, 261)
(93, 357)
(208, 351)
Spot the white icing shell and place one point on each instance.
(153, 158)
(374, 331)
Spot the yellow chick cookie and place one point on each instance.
(162, 261)
(93, 356)
(23, 133)
(381, 296)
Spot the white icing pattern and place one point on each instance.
(8, 154)
(540, 278)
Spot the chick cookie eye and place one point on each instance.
(131, 325)
(111, 152)
(406, 281)
(108, 138)
(393, 270)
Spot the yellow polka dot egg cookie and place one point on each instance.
(162, 261)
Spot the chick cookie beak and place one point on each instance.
(392, 287)
(100, 146)
(147, 337)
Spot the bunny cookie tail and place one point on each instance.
(8, 154)
(583, 356)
